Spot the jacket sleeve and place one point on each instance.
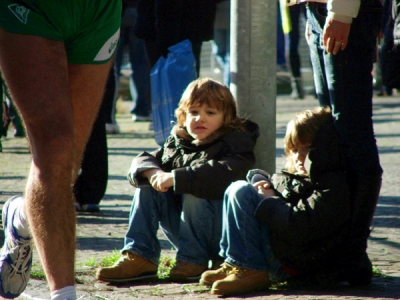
(208, 179)
(142, 162)
(343, 10)
(322, 212)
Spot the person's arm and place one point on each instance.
(143, 167)
(338, 22)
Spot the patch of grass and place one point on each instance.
(165, 266)
(187, 288)
(195, 288)
(37, 272)
(156, 292)
(79, 280)
(110, 259)
(376, 272)
(106, 261)
(91, 262)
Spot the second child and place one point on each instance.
(181, 185)
(291, 223)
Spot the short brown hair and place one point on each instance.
(302, 129)
(212, 93)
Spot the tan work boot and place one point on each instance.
(241, 281)
(129, 267)
(209, 277)
(184, 271)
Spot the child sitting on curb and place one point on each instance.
(288, 224)
(181, 185)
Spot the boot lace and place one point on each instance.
(226, 268)
(124, 257)
(237, 271)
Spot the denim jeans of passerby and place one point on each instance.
(137, 57)
(192, 225)
(221, 46)
(245, 241)
(344, 82)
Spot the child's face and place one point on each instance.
(201, 121)
(299, 158)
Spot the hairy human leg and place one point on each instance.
(58, 103)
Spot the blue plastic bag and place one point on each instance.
(169, 78)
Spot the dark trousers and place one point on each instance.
(154, 52)
(91, 183)
(137, 57)
(295, 12)
(110, 96)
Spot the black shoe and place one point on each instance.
(297, 88)
(19, 133)
(355, 269)
(86, 207)
(90, 208)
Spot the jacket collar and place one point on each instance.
(181, 132)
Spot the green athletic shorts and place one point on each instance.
(88, 28)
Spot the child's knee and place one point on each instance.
(238, 189)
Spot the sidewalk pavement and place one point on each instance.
(98, 234)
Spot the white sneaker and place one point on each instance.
(112, 128)
(15, 256)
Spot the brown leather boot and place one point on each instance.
(184, 271)
(209, 277)
(129, 267)
(241, 281)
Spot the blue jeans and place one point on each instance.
(221, 46)
(245, 241)
(344, 82)
(193, 226)
(137, 57)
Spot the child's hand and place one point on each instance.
(161, 181)
(150, 172)
(262, 183)
(263, 187)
